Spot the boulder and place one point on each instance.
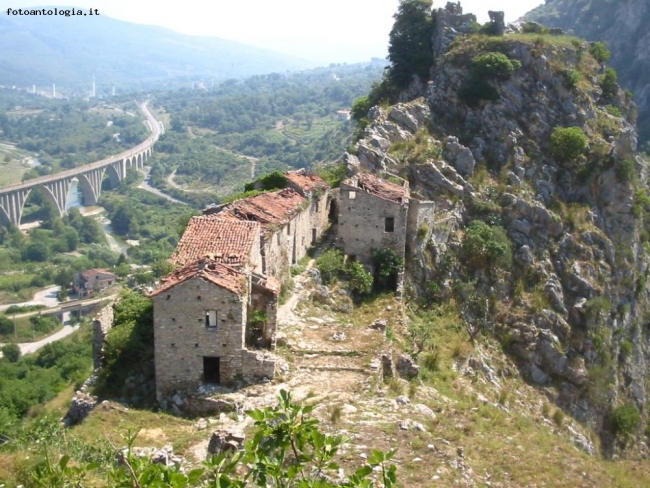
(222, 440)
(406, 366)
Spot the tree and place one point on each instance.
(11, 352)
(6, 325)
(410, 51)
(485, 245)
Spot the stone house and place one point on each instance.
(86, 283)
(373, 214)
(213, 324)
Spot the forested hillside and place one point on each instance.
(64, 134)
(220, 137)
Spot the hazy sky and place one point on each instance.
(326, 31)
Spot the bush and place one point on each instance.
(360, 280)
(600, 52)
(330, 264)
(568, 143)
(11, 352)
(625, 171)
(571, 78)
(609, 83)
(624, 420)
(494, 65)
(486, 245)
(387, 265)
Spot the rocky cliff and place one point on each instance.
(538, 234)
(624, 27)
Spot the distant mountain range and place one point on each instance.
(69, 50)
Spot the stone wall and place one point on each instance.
(102, 323)
(361, 224)
(287, 245)
(182, 339)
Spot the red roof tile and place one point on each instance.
(306, 181)
(92, 272)
(380, 188)
(226, 241)
(212, 271)
(269, 209)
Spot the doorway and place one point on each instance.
(211, 370)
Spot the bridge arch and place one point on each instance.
(4, 217)
(139, 161)
(113, 177)
(90, 195)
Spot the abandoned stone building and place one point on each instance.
(215, 316)
(291, 220)
(373, 214)
(213, 324)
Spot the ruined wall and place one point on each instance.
(318, 214)
(102, 323)
(255, 257)
(421, 221)
(263, 300)
(181, 338)
(361, 224)
(287, 245)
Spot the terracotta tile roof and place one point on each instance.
(268, 282)
(269, 209)
(95, 271)
(306, 181)
(212, 271)
(380, 188)
(227, 241)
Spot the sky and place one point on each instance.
(329, 31)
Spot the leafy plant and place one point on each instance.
(600, 52)
(494, 65)
(487, 245)
(568, 143)
(624, 420)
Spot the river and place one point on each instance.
(75, 199)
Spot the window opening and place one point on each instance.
(389, 224)
(211, 318)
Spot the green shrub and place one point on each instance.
(568, 143)
(624, 420)
(272, 181)
(613, 111)
(485, 245)
(387, 265)
(360, 280)
(11, 352)
(330, 264)
(625, 171)
(609, 83)
(571, 78)
(600, 52)
(494, 65)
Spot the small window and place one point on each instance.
(314, 235)
(211, 318)
(288, 229)
(352, 195)
(316, 206)
(389, 224)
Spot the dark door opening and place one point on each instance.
(211, 372)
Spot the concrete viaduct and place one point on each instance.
(57, 186)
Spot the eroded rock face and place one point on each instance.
(576, 289)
